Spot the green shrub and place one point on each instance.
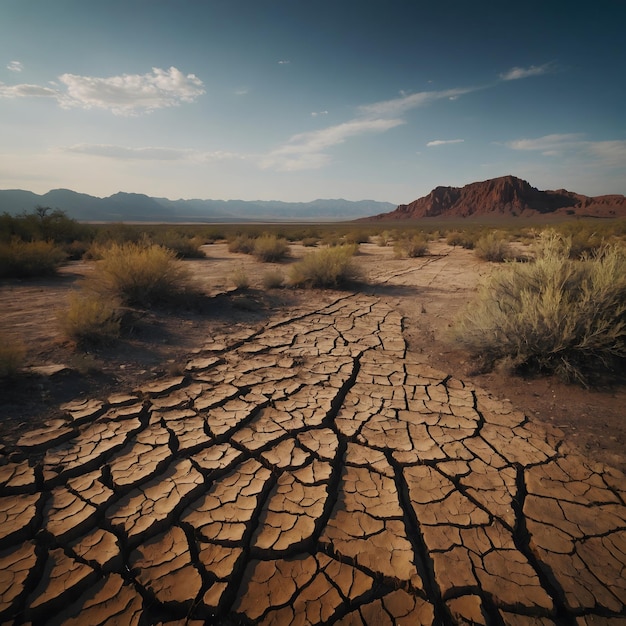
(90, 319)
(493, 246)
(141, 274)
(12, 355)
(273, 279)
(328, 267)
(269, 248)
(22, 259)
(554, 314)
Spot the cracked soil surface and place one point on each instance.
(313, 466)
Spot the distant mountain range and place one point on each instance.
(506, 196)
(134, 207)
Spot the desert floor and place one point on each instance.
(291, 456)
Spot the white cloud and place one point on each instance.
(317, 113)
(608, 153)
(397, 106)
(443, 142)
(306, 150)
(128, 94)
(15, 66)
(515, 73)
(551, 144)
(284, 62)
(27, 91)
(150, 153)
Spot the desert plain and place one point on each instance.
(293, 456)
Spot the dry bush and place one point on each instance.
(141, 275)
(273, 279)
(310, 242)
(554, 314)
(12, 355)
(90, 319)
(184, 246)
(493, 246)
(241, 243)
(25, 259)
(269, 248)
(240, 279)
(412, 247)
(328, 267)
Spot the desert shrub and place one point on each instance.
(356, 236)
(273, 279)
(184, 246)
(554, 314)
(310, 242)
(412, 247)
(384, 239)
(493, 246)
(22, 259)
(269, 248)
(141, 274)
(328, 267)
(12, 355)
(240, 279)
(241, 243)
(90, 318)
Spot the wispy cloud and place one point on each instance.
(549, 145)
(398, 106)
(307, 150)
(443, 142)
(150, 153)
(610, 153)
(284, 62)
(15, 66)
(27, 91)
(515, 73)
(318, 113)
(128, 94)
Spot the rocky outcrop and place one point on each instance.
(506, 196)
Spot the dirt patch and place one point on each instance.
(429, 292)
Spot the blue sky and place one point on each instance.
(296, 100)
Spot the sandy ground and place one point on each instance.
(429, 292)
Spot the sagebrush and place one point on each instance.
(141, 275)
(90, 318)
(328, 267)
(554, 314)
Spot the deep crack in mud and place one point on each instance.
(308, 473)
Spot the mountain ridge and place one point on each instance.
(506, 196)
(124, 206)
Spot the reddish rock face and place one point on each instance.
(506, 196)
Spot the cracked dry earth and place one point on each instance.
(310, 472)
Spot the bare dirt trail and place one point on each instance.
(312, 466)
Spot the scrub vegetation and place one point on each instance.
(560, 311)
(554, 314)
